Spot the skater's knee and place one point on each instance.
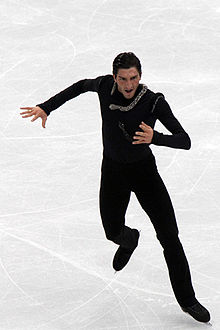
(109, 236)
(114, 237)
(170, 241)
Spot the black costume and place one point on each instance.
(127, 167)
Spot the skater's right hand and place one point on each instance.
(36, 112)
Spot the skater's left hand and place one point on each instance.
(144, 137)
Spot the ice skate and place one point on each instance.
(122, 255)
(198, 312)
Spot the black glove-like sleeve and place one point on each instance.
(179, 138)
(70, 92)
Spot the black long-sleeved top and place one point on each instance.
(119, 127)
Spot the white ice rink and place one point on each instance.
(55, 262)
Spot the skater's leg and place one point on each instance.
(114, 197)
(154, 199)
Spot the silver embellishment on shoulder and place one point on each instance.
(132, 105)
(155, 103)
(113, 88)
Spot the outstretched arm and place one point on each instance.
(43, 110)
(70, 92)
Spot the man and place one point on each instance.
(129, 111)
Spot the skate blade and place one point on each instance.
(209, 324)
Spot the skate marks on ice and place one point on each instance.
(55, 262)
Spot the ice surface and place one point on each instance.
(55, 262)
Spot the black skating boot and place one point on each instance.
(123, 255)
(198, 312)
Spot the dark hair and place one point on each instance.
(126, 61)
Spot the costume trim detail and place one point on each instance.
(161, 96)
(130, 106)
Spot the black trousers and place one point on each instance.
(142, 178)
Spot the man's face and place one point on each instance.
(127, 81)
